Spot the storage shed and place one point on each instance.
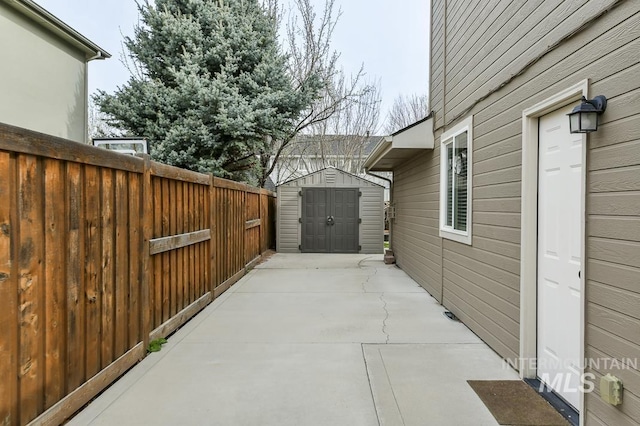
(330, 211)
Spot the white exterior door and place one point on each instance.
(559, 255)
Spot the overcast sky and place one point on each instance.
(391, 39)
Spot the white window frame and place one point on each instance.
(448, 232)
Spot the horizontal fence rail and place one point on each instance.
(99, 254)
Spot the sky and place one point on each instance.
(390, 38)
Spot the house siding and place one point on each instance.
(371, 209)
(436, 95)
(502, 58)
(52, 101)
(415, 229)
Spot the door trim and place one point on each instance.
(529, 228)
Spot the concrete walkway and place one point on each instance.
(310, 340)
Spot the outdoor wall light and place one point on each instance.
(584, 117)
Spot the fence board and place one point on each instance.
(165, 256)
(134, 250)
(173, 266)
(75, 278)
(177, 241)
(31, 285)
(122, 265)
(107, 213)
(180, 252)
(156, 290)
(8, 292)
(93, 267)
(55, 298)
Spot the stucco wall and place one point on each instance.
(42, 79)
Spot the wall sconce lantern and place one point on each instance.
(584, 117)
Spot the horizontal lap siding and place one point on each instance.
(436, 86)
(513, 35)
(481, 282)
(372, 226)
(416, 244)
(288, 225)
(613, 222)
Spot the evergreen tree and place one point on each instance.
(211, 88)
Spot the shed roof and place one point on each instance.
(47, 20)
(363, 181)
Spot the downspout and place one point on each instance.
(390, 203)
(98, 55)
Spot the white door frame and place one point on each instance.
(529, 229)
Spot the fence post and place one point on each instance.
(147, 229)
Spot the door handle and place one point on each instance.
(330, 220)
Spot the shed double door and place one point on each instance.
(330, 220)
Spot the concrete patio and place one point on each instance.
(310, 340)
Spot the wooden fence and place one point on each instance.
(101, 252)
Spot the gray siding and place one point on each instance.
(500, 38)
(415, 230)
(436, 86)
(481, 282)
(371, 208)
(496, 42)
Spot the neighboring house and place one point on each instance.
(43, 78)
(308, 154)
(526, 232)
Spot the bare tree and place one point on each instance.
(98, 123)
(406, 111)
(311, 59)
(340, 141)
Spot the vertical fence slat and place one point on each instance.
(93, 270)
(192, 270)
(165, 255)
(213, 229)
(147, 217)
(31, 286)
(173, 281)
(156, 290)
(122, 265)
(55, 297)
(75, 279)
(8, 292)
(134, 253)
(107, 195)
(185, 251)
(202, 259)
(180, 252)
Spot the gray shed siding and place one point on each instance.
(371, 208)
(487, 43)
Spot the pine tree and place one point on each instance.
(211, 88)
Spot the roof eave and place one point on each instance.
(43, 17)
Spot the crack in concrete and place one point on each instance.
(364, 283)
(384, 321)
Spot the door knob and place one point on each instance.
(330, 220)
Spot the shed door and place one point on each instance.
(559, 255)
(330, 220)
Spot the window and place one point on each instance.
(455, 182)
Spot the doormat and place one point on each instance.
(515, 403)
